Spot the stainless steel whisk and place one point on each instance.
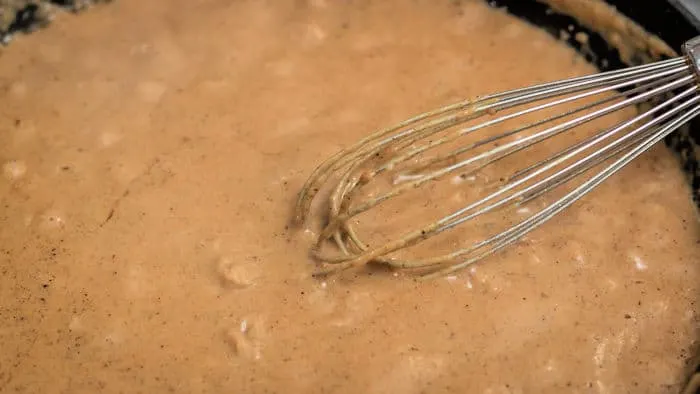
(668, 92)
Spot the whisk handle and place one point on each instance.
(691, 49)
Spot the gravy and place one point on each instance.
(151, 153)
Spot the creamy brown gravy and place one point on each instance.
(151, 152)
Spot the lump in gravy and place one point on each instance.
(151, 153)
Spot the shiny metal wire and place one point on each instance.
(666, 93)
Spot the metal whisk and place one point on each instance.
(666, 93)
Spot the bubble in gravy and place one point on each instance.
(523, 210)
(318, 3)
(51, 219)
(76, 324)
(359, 305)
(245, 339)
(236, 275)
(577, 252)
(14, 170)
(410, 374)
(315, 34)
(113, 337)
(639, 264)
(109, 138)
(281, 68)
(151, 91)
(18, 89)
(321, 299)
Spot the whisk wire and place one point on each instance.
(370, 144)
(557, 178)
(516, 232)
(584, 99)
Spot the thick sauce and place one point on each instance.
(151, 153)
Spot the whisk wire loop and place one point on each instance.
(430, 146)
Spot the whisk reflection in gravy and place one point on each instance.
(520, 129)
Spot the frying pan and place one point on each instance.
(674, 21)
